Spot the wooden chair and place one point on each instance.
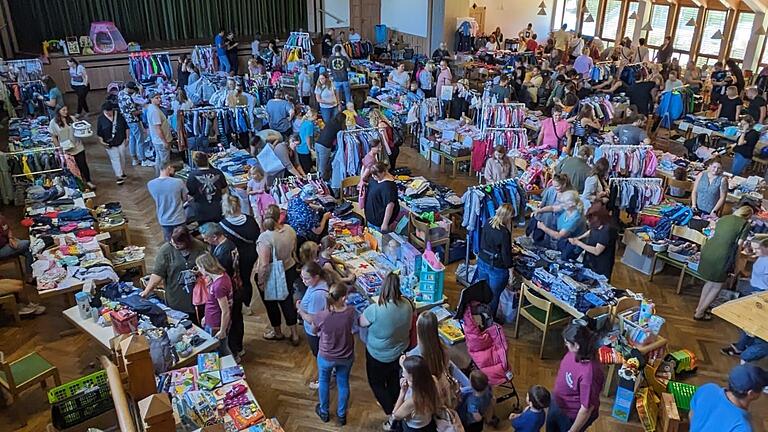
(16, 260)
(26, 372)
(684, 233)
(542, 313)
(683, 185)
(350, 183)
(417, 225)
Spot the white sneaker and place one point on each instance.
(39, 309)
(27, 309)
(120, 180)
(135, 162)
(314, 385)
(91, 185)
(147, 163)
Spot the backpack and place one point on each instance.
(161, 350)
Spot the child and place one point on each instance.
(351, 115)
(308, 252)
(375, 87)
(533, 417)
(257, 193)
(476, 402)
(680, 174)
(328, 246)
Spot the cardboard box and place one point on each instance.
(669, 417)
(635, 243)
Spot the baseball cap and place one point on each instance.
(746, 377)
(131, 85)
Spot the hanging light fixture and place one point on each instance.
(542, 5)
(691, 23)
(589, 18)
(542, 11)
(761, 31)
(633, 15)
(647, 27)
(718, 35)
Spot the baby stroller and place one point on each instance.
(485, 340)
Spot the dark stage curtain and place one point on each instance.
(147, 21)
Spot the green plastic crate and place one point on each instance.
(71, 388)
(683, 394)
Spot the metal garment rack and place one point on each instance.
(182, 114)
(469, 241)
(487, 106)
(33, 150)
(636, 180)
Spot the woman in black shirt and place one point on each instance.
(111, 128)
(494, 264)
(599, 242)
(729, 106)
(745, 146)
(325, 144)
(755, 104)
(382, 204)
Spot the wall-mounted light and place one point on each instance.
(542, 5)
(761, 31)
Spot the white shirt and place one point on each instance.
(255, 48)
(155, 117)
(400, 78)
(759, 279)
(578, 46)
(77, 76)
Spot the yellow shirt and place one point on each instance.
(350, 115)
(561, 40)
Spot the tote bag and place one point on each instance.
(269, 161)
(276, 288)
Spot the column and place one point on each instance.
(752, 54)
(643, 16)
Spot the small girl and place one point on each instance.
(351, 115)
(308, 252)
(533, 417)
(327, 247)
(257, 193)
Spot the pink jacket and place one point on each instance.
(488, 348)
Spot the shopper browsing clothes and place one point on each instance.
(78, 79)
(495, 260)
(63, 135)
(132, 112)
(218, 304)
(313, 301)
(418, 401)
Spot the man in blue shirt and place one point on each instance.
(280, 113)
(715, 409)
(221, 51)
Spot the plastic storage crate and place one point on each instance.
(431, 283)
(73, 402)
(683, 394)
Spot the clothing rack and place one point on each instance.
(182, 131)
(38, 172)
(32, 150)
(203, 57)
(483, 123)
(676, 88)
(636, 180)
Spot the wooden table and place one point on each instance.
(748, 313)
(122, 229)
(104, 335)
(569, 309)
(453, 159)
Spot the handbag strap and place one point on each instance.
(235, 234)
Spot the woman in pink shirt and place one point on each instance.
(553, 130)
(218, 304)
(445, 77)
(576, 397)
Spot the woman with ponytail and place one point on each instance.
(336, 350)
(576, 398)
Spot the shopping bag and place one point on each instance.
(447, 420)
(507, 311)
(276, 288)
(269, 161)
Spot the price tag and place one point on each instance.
(102, 236)
(89, 195)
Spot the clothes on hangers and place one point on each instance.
(205, 58)
(145, 67)
(601, 72)
(481, 202)
(351, 147)
(635, 161)
(23, 70)
(633, 195)
(674, 104)
(502, 115)
(358, 50)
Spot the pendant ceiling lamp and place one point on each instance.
(647, 27)
(691, 23)
(633, 15)
(718, 35)
(542, 11)
(542, 5)
(589, 18)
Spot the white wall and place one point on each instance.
(513, 15)
(340, 10)
(453, 9)
(406, 16)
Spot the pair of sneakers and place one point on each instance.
(31, 309)
(121, 179)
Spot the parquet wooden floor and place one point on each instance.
(279, 373)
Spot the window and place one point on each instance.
(659, 15)
(630, 29)
(611, 19)
(682, 59)
(590, 28)
(701, 61)
(714, 21)
(742, 34)
(684, 32)
(570, 16)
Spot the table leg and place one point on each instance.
(609, 379)
(430, 158)
(454, 169)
